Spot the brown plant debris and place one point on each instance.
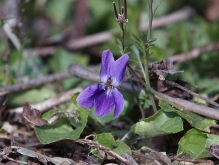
(32, 116)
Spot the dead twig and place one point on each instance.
(191, 92)
(47, 104)
(184, 13)
(34, 83)
(104, 149)
(153, 155)
(84, 73)
(183, 57)
(191, 160)
(101, 37)
(179, 15)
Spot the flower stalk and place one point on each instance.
(121, 18)
(146, 55)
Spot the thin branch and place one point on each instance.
(82, 72)
(50, 103)
(179, 15)
(184, 13)
(10, 23)
(183, 57)
(41, 51)
(34, 83)
(157, 7)
(191, 92)
(146, 55)
(151, 15)
(104, 149)
(101, 37)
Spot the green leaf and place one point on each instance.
(63, 129)
(121, 148)
(161, 123)
(74, 97)
(134, 61)
(63, 8)
(194, 143)
(60, 62)
(135, 51)
(195, 120)
(138, 39)
(62, 59)
(32, 96)
(151, 40)
(119, 42)
(107, 140)
(212, 139)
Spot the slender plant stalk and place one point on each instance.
(136, 97)
(146, 55)
(123, 37)
(151, 90)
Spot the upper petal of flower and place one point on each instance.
(86, 98)
(103, 103)
(117, 70)
(119, 102)
(107, 61)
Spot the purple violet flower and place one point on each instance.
(105, 96)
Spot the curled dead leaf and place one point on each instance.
(32, 116)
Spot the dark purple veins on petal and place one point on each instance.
(119, 102)
(107, 61)
(117, 71)
(86, 98)
(103, 103)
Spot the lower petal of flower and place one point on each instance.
(86, 98)
(119, 102)
(103, 103)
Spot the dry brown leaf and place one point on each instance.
(214, 150)
(43, 158)
(32, 115)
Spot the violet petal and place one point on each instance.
(107, 61)
(119, 102)
(103, 103)
(117, 70)
(86, 98)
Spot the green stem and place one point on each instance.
(146, 55)
(136, 97)
(151, 90)
(123, 37)
(148, 83)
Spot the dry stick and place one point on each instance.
(191, 92)
(50, 103)
(102, 148)
(184, 13)
(84, 73)
(11, 159)
(101, 37)
(183, 57)
(34, 83)
(176, 58)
